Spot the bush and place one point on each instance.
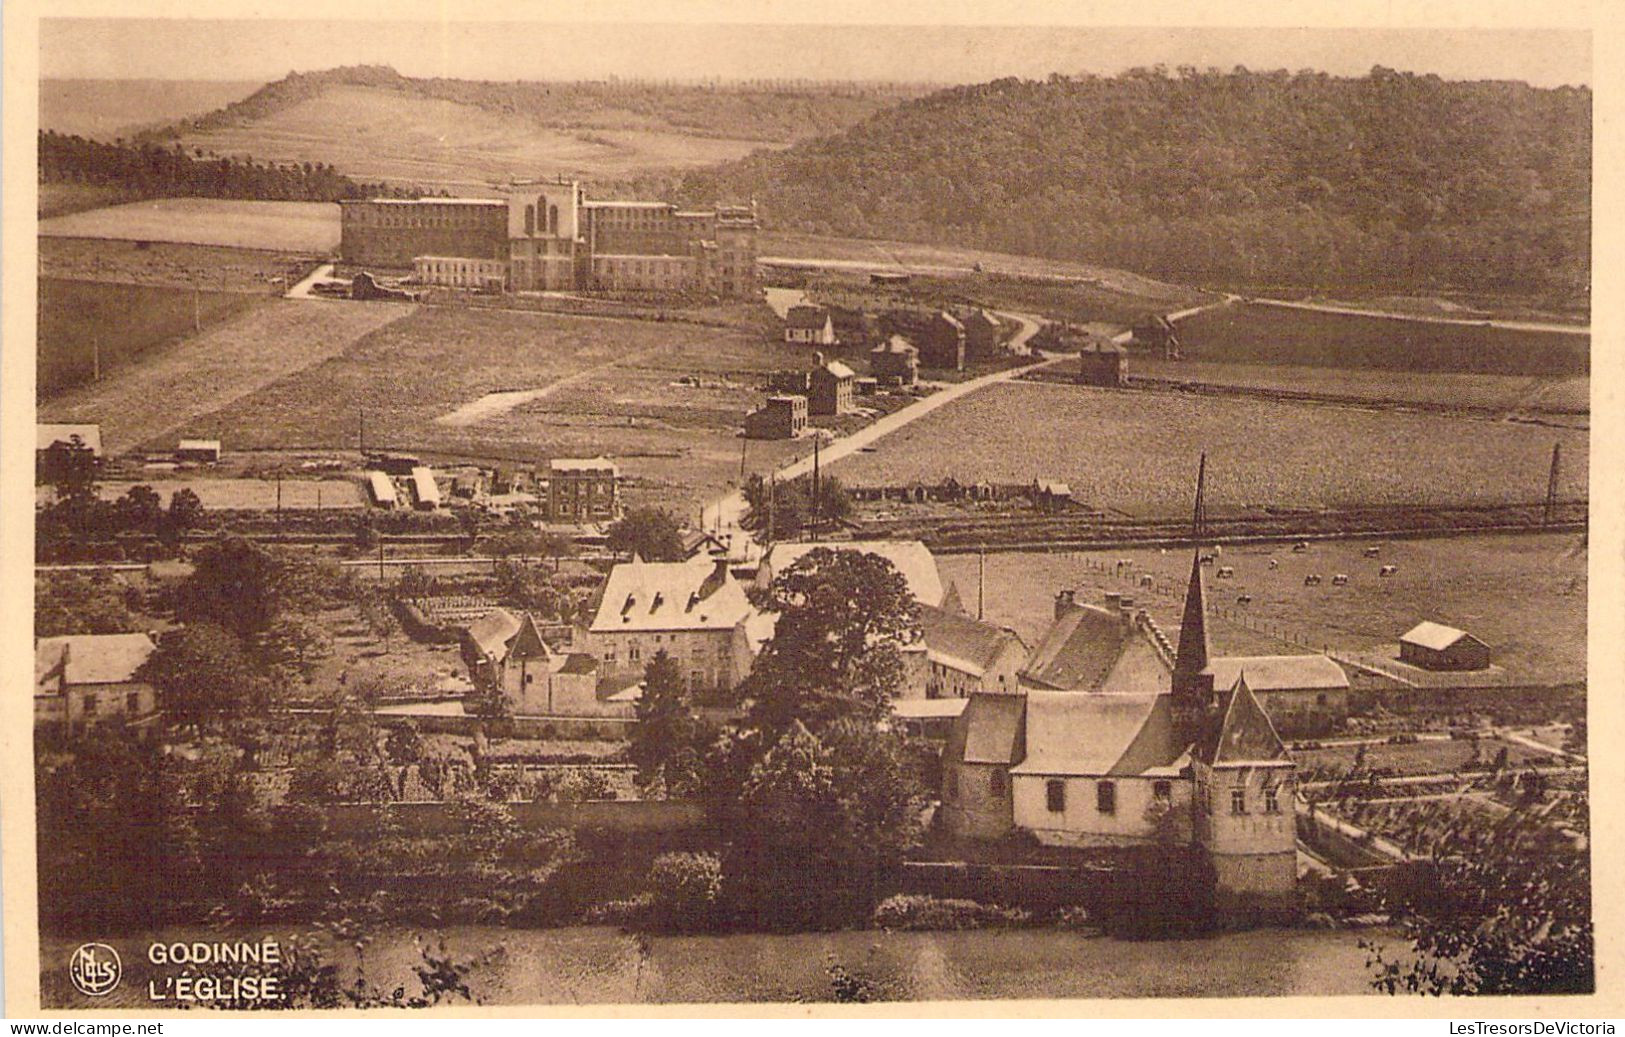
(907, 912)
(630, 913)
(684, 888)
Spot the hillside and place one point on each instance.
(374, 123)
(106, 109)
(1215, 178)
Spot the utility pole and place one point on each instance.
(380, 560)
(96, 356)
(1550, 514)
(743, 443)
(815, 502)
(1199, 516)
(279, 503)
(772, 502)
(361, 434)
(981, 581)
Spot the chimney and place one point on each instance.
(1063, 602)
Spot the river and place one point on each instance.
(599, 964)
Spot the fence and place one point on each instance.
(637, 816)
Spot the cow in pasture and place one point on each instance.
(1226, 572)
(1372, 552)
(1274, 564)
(1340, 580)
(1300, 547)
(1146, 580)
(1244, 599)
(1388, 570)
(1312, 580)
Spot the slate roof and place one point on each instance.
(492, 632)
(1245, 735)
(648, 596)
(88, 659)
(957, 640)
(839, 370)
(1079, 649)
(1075, 733)
(989, 730)
(579, 663)
(1435, 636)
(811, 318)
(910, 557)
(1278, 672)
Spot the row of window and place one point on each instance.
(1105, 795)
(1271, 800)
(92, 703)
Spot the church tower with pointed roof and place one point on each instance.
(1245, 786)
(1192, 686)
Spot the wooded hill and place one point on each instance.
(1215, 177)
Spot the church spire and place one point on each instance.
(1192, 686)
(1194, 647)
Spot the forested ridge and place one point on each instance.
(1214, 177)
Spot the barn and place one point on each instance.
(1434, 646)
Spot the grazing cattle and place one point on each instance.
(1274, 564)
(1300, 547)
(1340, 580)
(1244, 599)
(1226, 572)
(1206, 559)
(1312, 580)
(1372, 552)
(1146, 580)
(1125, 563)
(1388, 570)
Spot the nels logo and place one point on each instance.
(95, 969)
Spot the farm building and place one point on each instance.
(895, 362)
(582, 490)
(831, 387)
(809, 325)
(381, 489)
(393, 464)
(201, 451)
(1434, 646)
(84, 680)
(1102, 362)
(507, 653)
(942, 342)
(779, 417)
(425, 494)
(965, 655)
(983, 335)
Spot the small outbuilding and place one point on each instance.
(1434, 646)
(202, 451)
(809, 325)
(1102, 362)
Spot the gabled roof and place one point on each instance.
(1435, 636)
(989, 730)
(947, 318)
(838, 369)
(810, 318)
(579, 663)
(646, 596)
(492, 632)
(965, 644)
(897, 344)
(981, 317)
(1079, 650)
(1245, 735)
(909, 557)
(88, 659)
(1096, 344)
(1072, 733)
(583, 464)
(1278, 672)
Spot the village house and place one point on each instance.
(694, 611)
(895, 362)
(942, 342)
(983, 335)
(779, 417)
(809, 325)
(1434, 646)
(1102, 362)
(1155, 333)
(830, 388)
(582, 490)
(507, 653)
(1175, 763)
(1114, 648)
(965, 655)
(1306, 696)
(85, 680)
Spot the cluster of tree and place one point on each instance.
(151, 170)
(767, 110)
(79, 603)
(817, 796)
(785, 510)
(249, 632)
(1214, 177)
(650, 533)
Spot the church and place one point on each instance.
(1130, 748)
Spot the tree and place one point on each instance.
(836, 651)
(235, 583)
(140, 510)
(404, 748)
(73, 603)
(414, 584)
(667, 745)
(788, 509)
(650, 533)
(1513, 916)
(203, 673)
(69, 467)
(294, 646)
(829, 820)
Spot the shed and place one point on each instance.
(381, 489)
(1434, 646)
(206, 451)
(425, 494)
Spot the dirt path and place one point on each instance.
(206, 372)
(494, 404)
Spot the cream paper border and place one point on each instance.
(18, 263)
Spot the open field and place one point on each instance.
(147, 402)
(378, 134)
(106, 109)
(1135, 452)
(1537, 634)
(57, 199)
(605, 387)
(1505, 393)
(279, 226)
(1252, 333)
(250, 494)
(78, 319)
(171, 264)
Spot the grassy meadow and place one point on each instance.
(232, 223)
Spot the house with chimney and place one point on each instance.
(894, 362)
(506, 653)
(829, 392)
(83, 681)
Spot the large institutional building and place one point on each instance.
(546, 236)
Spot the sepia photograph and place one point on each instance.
(544, 512)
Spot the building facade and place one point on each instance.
(779, 417)
(583, 490)
(82, 681)
(830, 388)
(1434, 646)
(895, 362)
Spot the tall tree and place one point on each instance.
(668, 743)
(650, 533)
(203, 674)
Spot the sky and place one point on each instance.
(261, 50)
